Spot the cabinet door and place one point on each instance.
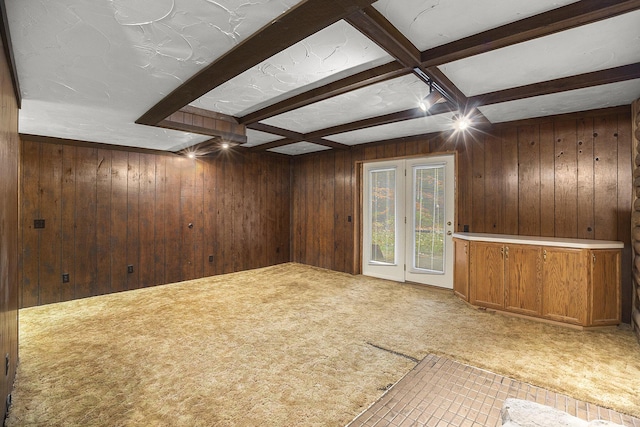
(564, 287)
(605, 287)
(523, 279)
(461, 268)
(487, 274)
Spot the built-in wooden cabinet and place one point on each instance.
(487, 275)
(523, 279)
(461, 269)
(578, 283)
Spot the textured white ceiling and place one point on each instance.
(255, 137)
(427, 124)
(431, 23)
(299, 148)
(387, 97)
(611, 95)
(110, 61)
(580, 50)
(333, 53)
(89, 68)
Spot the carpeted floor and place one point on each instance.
(284, 345)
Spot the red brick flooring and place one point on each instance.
(441, 392)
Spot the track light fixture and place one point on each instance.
(433, 98)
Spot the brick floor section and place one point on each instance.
(441, 392)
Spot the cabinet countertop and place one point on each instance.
(541, 241)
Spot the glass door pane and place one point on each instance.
(428, 218)
(383, 216)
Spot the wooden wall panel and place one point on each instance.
(159, 218)
(64, 291)
(529, 181)
(584, 134)
(29, 239)
(102, 284)
(147, 223)
(477, 184)
(50, 253)
(9, 226)
(510, 163)
(566, 179)
(133, 219)
(547, 177)
(493, 215)
(118, 241)
(605, 171)
(85, 251)
(106, 209)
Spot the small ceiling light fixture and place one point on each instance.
(428, 101)
(191, 155)
(461, 122)
(224, 145)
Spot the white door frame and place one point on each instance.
(397, 271)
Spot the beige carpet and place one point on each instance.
(283, 346)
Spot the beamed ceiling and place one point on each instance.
(294, 77)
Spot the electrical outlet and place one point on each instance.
(349, 218)
(129, 268)
(465, 228)
(210, 258)
(38, 223)
(65, 278)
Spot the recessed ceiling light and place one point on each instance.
(191, 155)
(224, 145)
(461, 122)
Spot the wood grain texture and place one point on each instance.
(523, 279)
(529, 181)
(564, 285)
(486, 272)
(461, 268)
(605, 292)
(106, 209)
(9, 228)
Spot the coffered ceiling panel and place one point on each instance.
(580, 50)
(335, 52)
(255, 137)
(382, 98)
(299, 148)
(431, 23)
(603, 96)
(423, 125)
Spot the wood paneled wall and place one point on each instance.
(564, 176)
(635, 218)
(164, 215)
(9, 159)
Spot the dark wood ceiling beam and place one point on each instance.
(446, 85)
(327, 143)
(595, 78)
(291, 137)
(299, 22)
(399, 116)
(376, 27)
(285, 133)
(273, 144)
(563, 18)
(365, 78)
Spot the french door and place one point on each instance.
(408, 216)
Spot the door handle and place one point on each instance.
(449, 233)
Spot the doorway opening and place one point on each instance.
(408, 213)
